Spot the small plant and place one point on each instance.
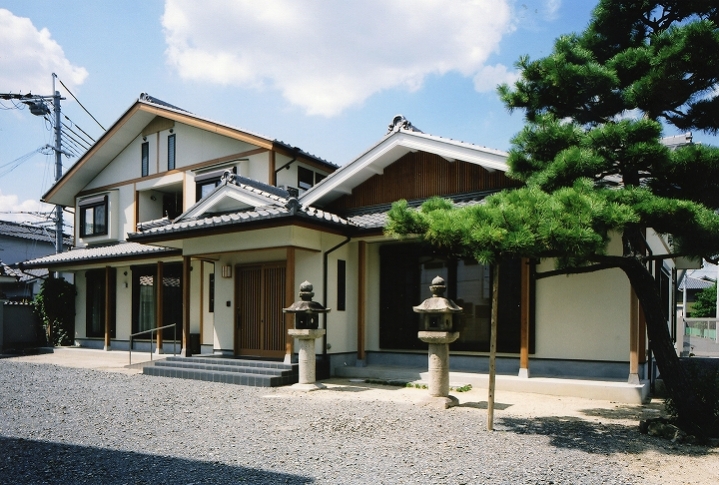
(465, 388)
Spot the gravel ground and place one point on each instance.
(72, 425)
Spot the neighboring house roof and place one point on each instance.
(113, 252)
(34, 233)
(130, 125)
(692, 283)
(401, 139)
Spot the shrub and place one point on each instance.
(706, 382)
(55, 304)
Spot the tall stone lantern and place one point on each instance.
(437, 328)
(307, 314)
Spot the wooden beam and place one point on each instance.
(361, 298)
(108, 307)
(186, 267)
(524, 319)
(159, 277)
(289, 299)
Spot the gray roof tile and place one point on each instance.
(87, 255)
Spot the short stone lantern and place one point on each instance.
(437, 325)
(307, 314)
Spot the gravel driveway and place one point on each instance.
(71, 425)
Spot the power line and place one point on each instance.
(79, 138)
(79, 128)
(78, 102)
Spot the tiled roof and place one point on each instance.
(35, 233)
(241, 217)
(375, 217)
(692, 283)
(87, 255)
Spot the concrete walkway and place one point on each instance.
(113, 361)
(618, 391)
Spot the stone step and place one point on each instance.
(229, 371)
(191, 364)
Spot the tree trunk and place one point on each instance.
(676, 379)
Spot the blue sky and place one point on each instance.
(325, 76)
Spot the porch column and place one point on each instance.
(186, 267)
(108, 307)
(633, 338)
(159, 283)
(524, 307)
(289, 300)
(361, 302)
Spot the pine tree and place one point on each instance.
(594, 167)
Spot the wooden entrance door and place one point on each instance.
(259, 299)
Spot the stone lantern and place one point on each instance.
(437, 325)
(306, 313)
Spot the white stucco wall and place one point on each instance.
(584, 317)
(123, 312)
(342, 325)
(208, 318)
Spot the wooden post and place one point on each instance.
(186, 267)
(108, 307)
(524, 320)
(633, 338)
(361, 299)
(289, 299)
(159, 286)
(493, 348)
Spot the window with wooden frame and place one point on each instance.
(145, 159)
(93, 216)
(206, 182)
(171, 152)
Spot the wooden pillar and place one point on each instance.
(159, 280)
(524, 319)
(361, 300)
(290, 291)
(108, 307)
(186, 267)
(633, 338)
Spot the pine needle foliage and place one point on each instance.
(594, 166)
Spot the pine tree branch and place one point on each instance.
(609, 262)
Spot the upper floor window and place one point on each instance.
(171, 152)
(93, 216)
(145, 159)
(307, 178)
(206, 182)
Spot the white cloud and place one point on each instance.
(328, 56)
(13, 209)
(487, 79)
(29, 56)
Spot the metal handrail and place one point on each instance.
(151, 331)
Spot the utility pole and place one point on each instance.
(38, 107)
(58, 165)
